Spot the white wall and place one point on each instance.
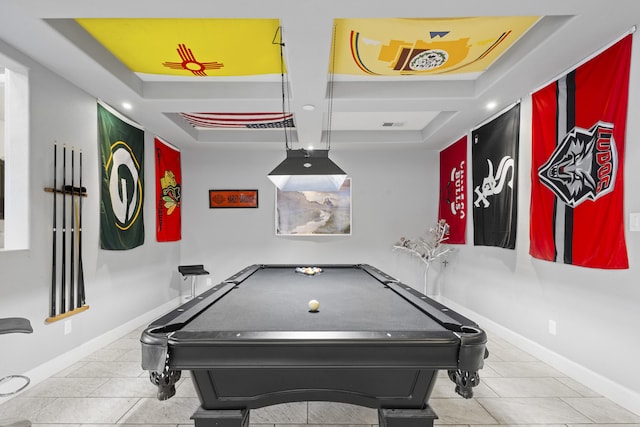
(394, 194)
(119, 285)
(596, 311)
(389, 200)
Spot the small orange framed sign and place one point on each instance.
(233, 199)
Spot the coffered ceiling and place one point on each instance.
(372, 72)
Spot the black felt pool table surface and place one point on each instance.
(251, 341)
(276, 299)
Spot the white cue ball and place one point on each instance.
(314, 305)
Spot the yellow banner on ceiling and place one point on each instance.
(191, 47)
(397, 46)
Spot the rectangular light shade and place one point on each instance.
(308, 170)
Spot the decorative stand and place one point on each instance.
(427, 248)
(193, 271)
(12, 325)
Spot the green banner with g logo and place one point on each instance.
(122, 181)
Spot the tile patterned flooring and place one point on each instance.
(109, 388)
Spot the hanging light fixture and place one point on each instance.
(306, 170)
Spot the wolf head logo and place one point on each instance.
(583, 166)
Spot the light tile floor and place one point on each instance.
(109, 388)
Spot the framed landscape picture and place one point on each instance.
(314, 213)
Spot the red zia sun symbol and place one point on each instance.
(190, 63)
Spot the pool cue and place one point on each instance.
(81, 297)
(54, 296)
(72, 282)
(63, 286)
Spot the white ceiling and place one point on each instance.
(433, 112)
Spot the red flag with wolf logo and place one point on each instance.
(578, 134)
(453, 190)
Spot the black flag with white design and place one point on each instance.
(495, 178)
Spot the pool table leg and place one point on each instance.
(221, 418)
(406, 417)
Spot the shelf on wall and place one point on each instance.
(66, 314)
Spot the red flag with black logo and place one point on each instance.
(453, 190)
(168, 192)
(578, 135)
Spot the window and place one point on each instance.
(1, 157)
(14, 151)
(2, 192)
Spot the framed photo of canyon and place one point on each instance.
(314, 213)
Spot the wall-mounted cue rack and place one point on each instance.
(67, 282)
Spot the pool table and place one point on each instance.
(252, 341)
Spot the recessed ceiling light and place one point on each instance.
(309, 107)
(491, 105)
(127, 106)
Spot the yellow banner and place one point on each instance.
(191, 47)
(394, 47)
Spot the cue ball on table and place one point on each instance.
(314, 305)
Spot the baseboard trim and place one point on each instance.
(617, 393)
(613, 391)
(52, 367)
